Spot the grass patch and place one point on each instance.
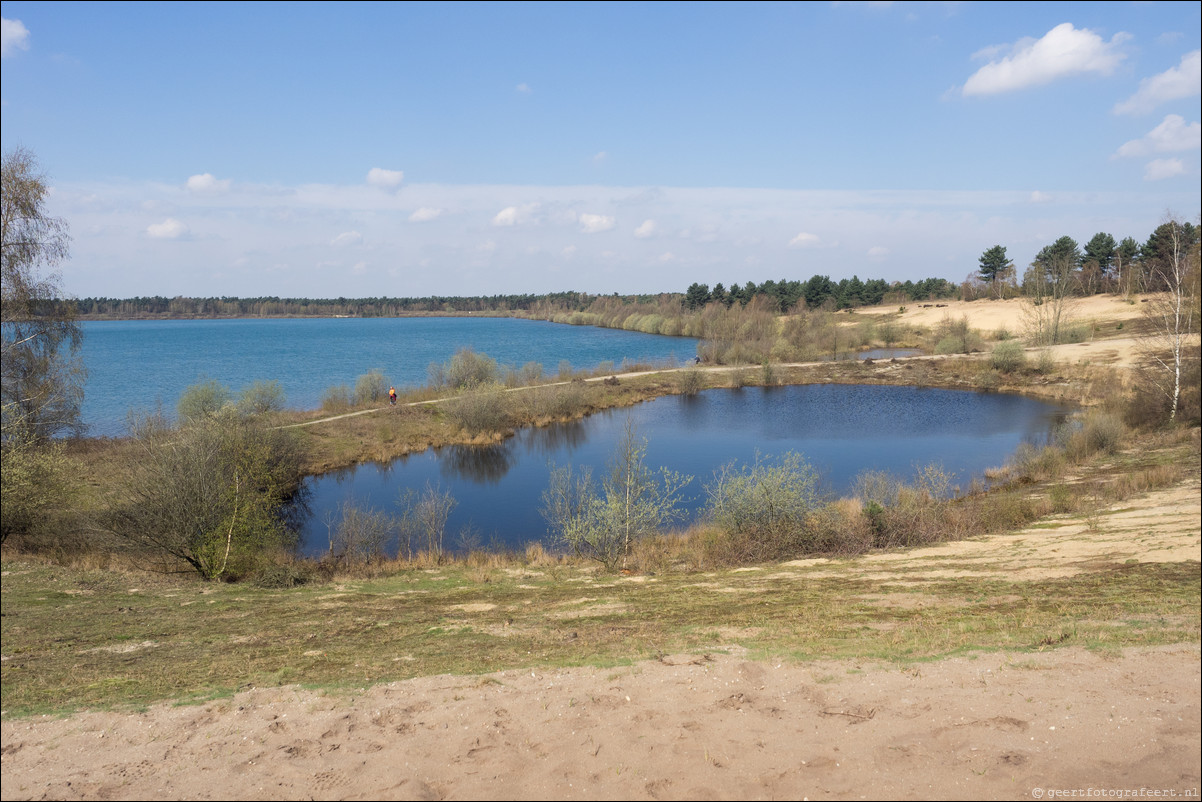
(121, 646)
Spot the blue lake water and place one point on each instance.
(133, 365)
(841, 430)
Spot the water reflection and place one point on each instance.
(483, 464)
(841, 430)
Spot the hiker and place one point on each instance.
(392, 396)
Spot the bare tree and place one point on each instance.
(633, 503)
(42, 374)
(1049, 284)
(1172, 315)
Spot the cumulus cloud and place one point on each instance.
(595, 223)
(168, 229)
(1062, 51)
(14, 36)
(646, 230)
(1160, 169)
(600, 156)
(877, 251)
(385, 179)
(1171, 136)
(347, 238)
(523, 89)
(208, 184)
(804, 240)
(1184, 80)
(515, 215)
(1039, 197)
(667, 256)
(425, 214)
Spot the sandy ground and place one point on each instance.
(701, 726)
(686, 727)
(706, 726)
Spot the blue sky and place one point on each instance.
(344, 149)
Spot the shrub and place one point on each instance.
(210, 494)
(423, 520)
(469, 369)
(362, 535)
(1008, 356)
(371, 388)
(261, 397)
(486, 408)
(337, 398)
(35, 485)
(633, 503)
(202, 400)
(763, 509)
(692, 381)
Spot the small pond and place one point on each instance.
(841, 430)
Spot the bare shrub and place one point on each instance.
(423, 521)
(371, 387)
(202, 400)
(337, 399)
(261, 398)
(363, 535)
(633, 503)
(692, 381)
(484, 408)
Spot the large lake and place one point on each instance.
(133, 365)
(840, 429)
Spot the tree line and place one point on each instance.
(1102, 265)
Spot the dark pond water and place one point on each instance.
(839, 429)
(134, 364)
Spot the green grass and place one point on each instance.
(76, 639)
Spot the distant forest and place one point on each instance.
(783, 294)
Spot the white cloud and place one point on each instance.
(359, 268)
(1160, 169)
(385, 179)
(425, 214)
(14, 36)
(1062, 51)
(1039, 197)
(523, 89)
(804, 240)
(600, 156)
(877, 251)
(207, 183)
(595, 223)
(1184, 80)
(515, 215)
(569, 251)
(168, 229)
(347, 238)
(667, 256)
(646, 230)
(1171, 136)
